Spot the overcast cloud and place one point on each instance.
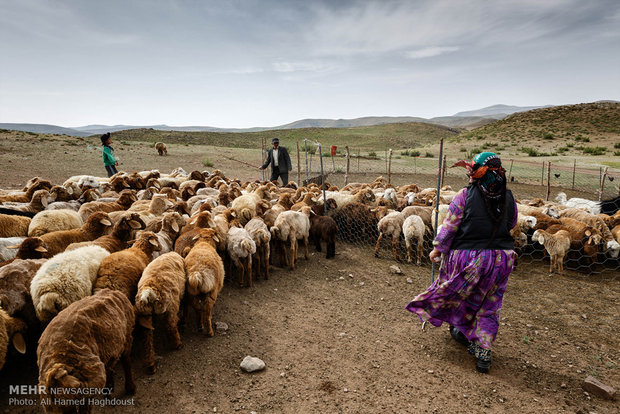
(266, 63)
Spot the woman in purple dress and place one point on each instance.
(478, 257)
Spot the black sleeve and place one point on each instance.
(288, 160)
(268, 159)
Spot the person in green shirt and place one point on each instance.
(109, 161)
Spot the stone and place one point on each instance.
(252, 364)
(596, 387)
(221, 326)
(409, 280)
(395, 269)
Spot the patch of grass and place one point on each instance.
(594, 150)
(463, 149)
(207, 163)
(617, 153)
(547, 135)
(526, 339)
(429, 155)
(581, 138)
(617, 145)
(533, 152)
(372, 154)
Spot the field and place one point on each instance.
(334, 334)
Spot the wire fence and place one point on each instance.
(532, 183)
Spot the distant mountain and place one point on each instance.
(349, 123)
(44, 129)
(499, 111)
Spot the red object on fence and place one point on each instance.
(334, 149)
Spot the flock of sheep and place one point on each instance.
(91, 258)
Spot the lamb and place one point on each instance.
(122, 270)
(205, 277)
(612, 247)
(124, 201)
(26, 197)
(14, 226)
(592, 207)
(171, 226)
(37, 203)
(81, 346)
(160, 291)
(291, 226)
(7, 247)
(392, 225)
(64, 279)
(324, 228)
(184, 242)
(60, 193)
(557, 246)
(259, 232)
(414, 228)
(443, 213)
(119, 238)
(245, 205)
(307, 200)
(581, 235)
(57, 241)
(54, 220)
(240, 248)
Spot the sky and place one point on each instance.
(245, 63)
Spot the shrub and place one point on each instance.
(372, 154)
(533, 152)
(594, 150)
(406, 152)
(463, 149)
(617, 145)
(617, 153)
(207, 163)
(547, 135)
(415, 153)
(429, 155)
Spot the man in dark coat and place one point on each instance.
(280, 162)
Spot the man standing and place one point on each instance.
(280, 162)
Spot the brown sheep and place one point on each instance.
(307, 200)
(205, 277)
(119, 238)
(124, 201)
(26, 196)
(323, 228)
(60, 193)
(357, 222)
(94, 227)
(37, 203)
(30, 248)
(14, 226)
(122, 270)
(161, 148)
(160, 291)
(81, 346)
(11, 331)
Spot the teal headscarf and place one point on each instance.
(490, 176)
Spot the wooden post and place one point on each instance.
(333, 163)
(390, 166)
(358, 160)
(510, 171)
(346, 174)
(386, 161)
(262, 157)
(306, 150)
(542, 174)
(548, 180)
(443, 170)
(298, 166)
(600, 192)
(574, 168)
(415, 165)
(310, 163)
(326, 207)
(437, 203)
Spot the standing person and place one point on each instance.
(280, 162)
(478, 257)
(109, 161)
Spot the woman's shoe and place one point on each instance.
(483, 357)
(458, 336)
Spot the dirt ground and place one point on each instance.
(335, 336)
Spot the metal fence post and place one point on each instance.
(346, 175)
(437, 202)
(548, 180)
(326, 207)
(298, 166)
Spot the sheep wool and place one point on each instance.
(53, 220)
(64, 279)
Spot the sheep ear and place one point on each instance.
(193, 221)
(588, 233)
(196, 237)
(145, 322)
(125, 185)
(190, 191)
(134, 224)
(216, 239)
(105, 222)
(233, 213)
(175, 226)
(154, 242)
(19, 343)
(70, 191)
(44, 201)
(15, 246)
(41, 249)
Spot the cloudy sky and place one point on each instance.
(243, 63)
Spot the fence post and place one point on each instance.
(510, 171)
(443, 170)
(262, 157)
(358, 160)
(333, 163)
(600, 192)
(548, 180)
(574, 168)
(346, 174)
(437, 202)
(298, 166)
(306, 150)
(390, 166)
(386, 161)
(542, 174)
(323, 182)
(415, 165)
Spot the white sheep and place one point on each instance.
(245, 205)
(291, 226)
(64, 279)
(413, 229)
(391, 225)
(259, 232)
(557, 245)
(443, 213)
(592, 207)
(48, 221)
(240, 248)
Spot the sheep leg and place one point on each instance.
(249, 270)
(149, 351)
(561, 264)
(266, 260)
(419, 251)
(130, 386)
(409, 250)
(208, 312)
(307, 254)
(551, 263)
(331, 249)
(173, 332)
(256, 258)
(378, 245)
(317, 242)
(293, 246)
(201, 315)
(184, 313)
(395, 246)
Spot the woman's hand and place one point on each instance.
(434, 255)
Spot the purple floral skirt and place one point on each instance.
(468, 293)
